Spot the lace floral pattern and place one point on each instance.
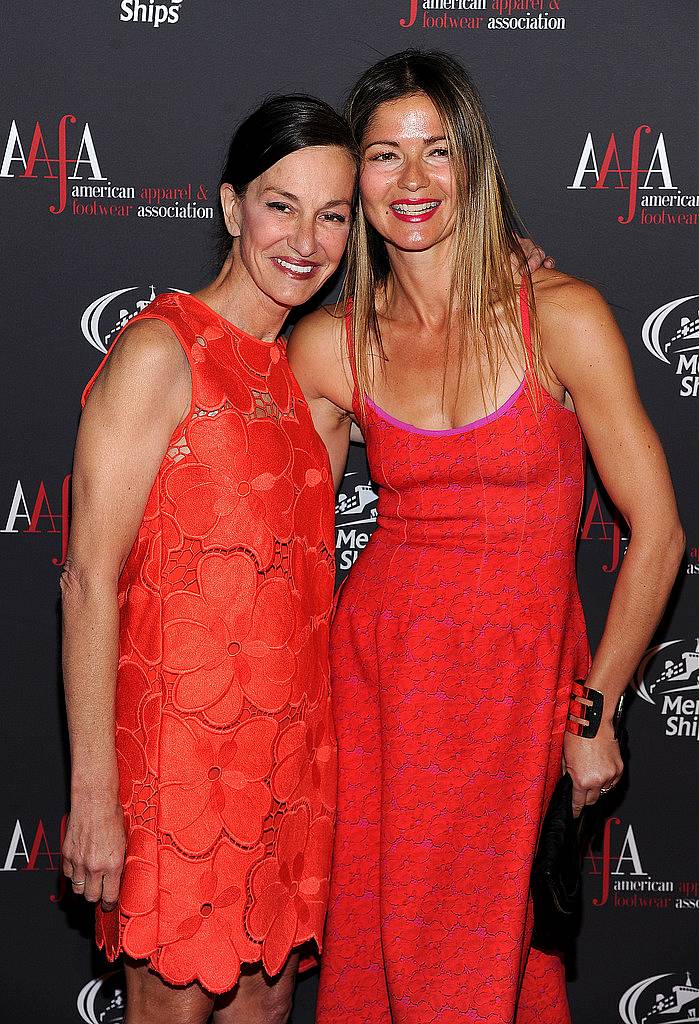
(224, 736)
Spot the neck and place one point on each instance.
(419, 284)
(235, 296)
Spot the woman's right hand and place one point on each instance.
(94, 848)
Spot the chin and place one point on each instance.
(290, 295)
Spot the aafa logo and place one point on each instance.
(606, 528)
(648, 1001)
(30, 849)
(102, 1001)
(43, 517)
(105, 317)
(610, 172)
(668, 677)
(38, 164)
(673, 331)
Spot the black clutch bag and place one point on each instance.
(556, 878)
(556, 882)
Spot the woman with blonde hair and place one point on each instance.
(459, 642)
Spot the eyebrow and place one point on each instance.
(391, 142)
(295, 199)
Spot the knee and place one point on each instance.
(278, 1004)
(145, 1009)
(149, 1000)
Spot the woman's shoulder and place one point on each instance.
(320, 337)
(324, 326)
(318, 354)
(565, 300)
(574, 320)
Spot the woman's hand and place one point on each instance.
(94, 848)
(594, 765)
(534, 255)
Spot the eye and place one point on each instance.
(382, 157)
(336, 218)
(440, 151)
(281, 207)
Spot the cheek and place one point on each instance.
(373, 182)
(334, 243)
(260, 230)
(444, 179)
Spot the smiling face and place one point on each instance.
(293, 222)
(406, 180)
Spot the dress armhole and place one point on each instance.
(184, 346)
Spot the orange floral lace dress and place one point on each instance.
(224, 734)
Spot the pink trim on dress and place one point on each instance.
(500, 411)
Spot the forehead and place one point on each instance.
(313, 172)
(410, 117)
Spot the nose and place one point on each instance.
(413, 175)
(303, 239)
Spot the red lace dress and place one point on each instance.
(455, 643)
(224, 735)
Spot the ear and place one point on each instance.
(230, 204)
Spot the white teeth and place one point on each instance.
(293, 266)
(414, 208)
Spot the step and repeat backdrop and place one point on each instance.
(113, 126)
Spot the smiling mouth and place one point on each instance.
(295, 269)
(416, 209)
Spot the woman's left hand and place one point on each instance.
(594, 765)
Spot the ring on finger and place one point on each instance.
(78, 884)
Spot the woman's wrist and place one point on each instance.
(95, 783)
(590, 708)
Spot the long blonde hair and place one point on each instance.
(485, 230)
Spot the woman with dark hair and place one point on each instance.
(460, 665)
(196, 601)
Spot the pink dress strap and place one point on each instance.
(349, 334)
(530, 373)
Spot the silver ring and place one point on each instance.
(74, 884)
(608, 790)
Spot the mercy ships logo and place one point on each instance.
(681, 345)
(668, 677)
(355, 509)
(648, 1002)
(101, 1001)
(105, 317)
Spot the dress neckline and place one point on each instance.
(229, 323)
(450, 431)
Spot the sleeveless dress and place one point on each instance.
(456, 640)
(224, 736)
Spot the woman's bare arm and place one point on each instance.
(588, 356)
(137, 401)
(318, 357)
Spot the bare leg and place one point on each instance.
(150, 1000)
(257, 998)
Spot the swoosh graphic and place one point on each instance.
(90, 318)
(650, 332)
(638, 683)
(627, 1003)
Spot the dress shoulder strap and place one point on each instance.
(530, 373)
(526, 323)
(349, 334)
